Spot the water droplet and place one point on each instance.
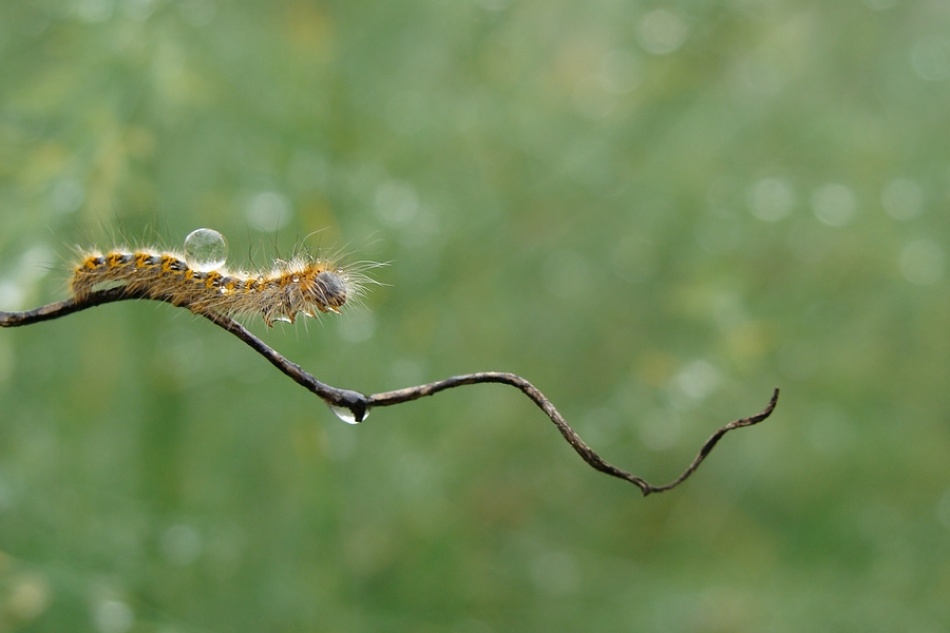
(347, 415)
(206, 250)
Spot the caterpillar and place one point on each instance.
(198, 280)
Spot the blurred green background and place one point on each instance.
(655, 211)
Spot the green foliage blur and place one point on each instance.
(656, 211)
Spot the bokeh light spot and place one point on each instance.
(697, 380)
(930, 58)
(662, 32)
(555, 574)
(67, 195)
(567, 275)
(27, 596)
(358, 327)
(771, 199)
(902, 199)
(620, 72)
(397, 203)
(659, 430)
(922, 262)
(181, 544)
(268, 211)
(834, 204)
(94, 10)
(113, 616)
(198, 12)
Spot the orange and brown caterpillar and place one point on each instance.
(301, 286)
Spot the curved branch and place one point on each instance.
(359, 404)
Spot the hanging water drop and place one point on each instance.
(347, 415)
(205, 250)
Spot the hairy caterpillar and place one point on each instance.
(198, 280)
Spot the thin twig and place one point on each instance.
(359, 404)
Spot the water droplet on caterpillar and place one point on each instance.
(205, 250)
(347, 415)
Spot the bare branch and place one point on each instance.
(359, 404)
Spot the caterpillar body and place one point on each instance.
(304, 285)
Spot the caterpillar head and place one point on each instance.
(329, 290)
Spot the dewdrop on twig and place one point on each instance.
(347, 415)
